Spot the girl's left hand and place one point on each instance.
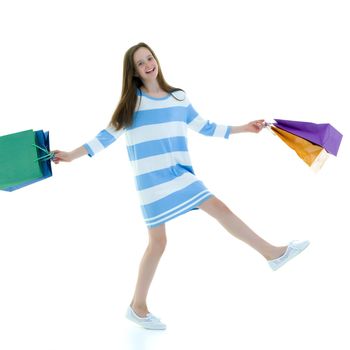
(255, 126)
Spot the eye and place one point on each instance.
(150, 58)
(140, 64)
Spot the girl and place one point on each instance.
(154, 117)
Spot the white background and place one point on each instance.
(70, 245)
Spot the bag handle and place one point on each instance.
(48, 155)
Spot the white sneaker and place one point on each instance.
(294, 248)
(148, 322)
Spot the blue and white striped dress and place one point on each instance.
(157, 148)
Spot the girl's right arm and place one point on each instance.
(61, 156)
(102, 140)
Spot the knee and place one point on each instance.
(158, 243)
(220, 207)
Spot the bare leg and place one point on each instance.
(239, 229)
(148, 266)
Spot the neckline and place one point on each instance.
(155, 98)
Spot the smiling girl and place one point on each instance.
(154, 117)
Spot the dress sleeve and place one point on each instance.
(102, 140)
(203, 126)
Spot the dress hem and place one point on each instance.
(194, 206)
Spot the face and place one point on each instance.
(145, 64)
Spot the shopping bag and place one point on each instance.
(313, 155)
(324, 135)
(312, 142)
(25, 158)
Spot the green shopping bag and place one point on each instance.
(20, 159)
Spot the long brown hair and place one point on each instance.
(123, 115)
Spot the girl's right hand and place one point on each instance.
(61, 156)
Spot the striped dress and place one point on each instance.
(157, 147)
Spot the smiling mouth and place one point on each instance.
(150, 71)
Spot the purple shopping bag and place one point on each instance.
(324, 135)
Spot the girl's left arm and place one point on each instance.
(204, 126)
(208, 128)
(254, 126)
